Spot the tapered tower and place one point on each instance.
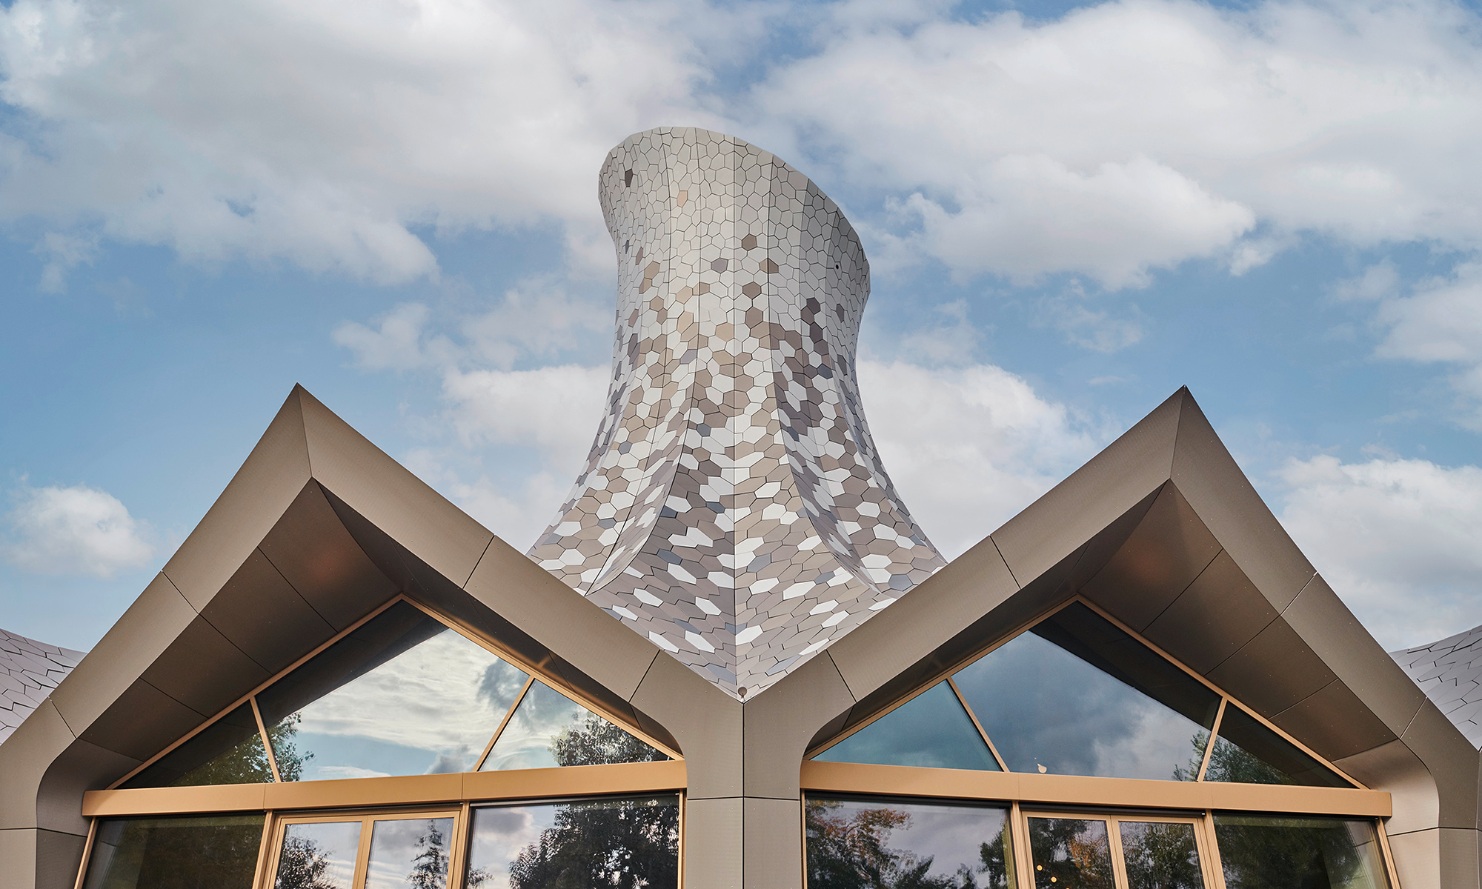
(733, 508)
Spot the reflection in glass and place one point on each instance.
(1260, 852)
(1077, 696)
(1249, 753)
(1160, 855)
(219, 851)
(318, 856)
(930, 730)
(229, 751)
(409, 853)
(1072, 853)
(549, 729)
(401, 695)
(898, 845)
(627, 843)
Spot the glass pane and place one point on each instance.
(1249, 753)
(402, 695)
(1160, 855)
(931, 730)
(1070, 853)
(1260, 852)
(318, 856)
(885, 843)
(409, 853)
(549, 729)
(219, 851)
(228, 751)
(608, 842)
(1077, 696)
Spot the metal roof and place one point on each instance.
(29, 670)
(1450, 673)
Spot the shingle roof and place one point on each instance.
(1450, 673)
(29, 670)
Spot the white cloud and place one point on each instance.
(73, 531)
(1130, 136)
(1397, 539)
(969, 447)
(553, 409)
(394, 343)
(1437, 321)
(324, 133)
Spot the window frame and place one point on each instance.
(283, 802)
(1092, 796)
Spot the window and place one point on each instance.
(401, 694)
(175, 852)
(1076, 695)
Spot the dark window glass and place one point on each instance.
(1077, 696)
(319, 855)
(409, 853)
(1160, 855)
(1262, 852)
(627, 842)
(229, 751)
(215, 851)
(1249, 753)
(402, 695)
(887, 844)
(549, 729)
(1070, 852)
(930, 730)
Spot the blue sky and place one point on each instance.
(1071, 210)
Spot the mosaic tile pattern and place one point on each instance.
(733, 509)
(1450, 674)
(29, 670)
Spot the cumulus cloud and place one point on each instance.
(1397, 539)
(332, 134)
(1130, 136)
(73, 531)
(1436, 320)
(970, 446)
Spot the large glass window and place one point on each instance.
(229, 751)
(402, 694)
(190, 852)
(394, 851)
(1076, 695)
(1266, 852)
(931, 730)
(1138, 851)
(892, 844)
(629, 843)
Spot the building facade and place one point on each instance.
(733, 659)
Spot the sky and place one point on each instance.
(1071, 210)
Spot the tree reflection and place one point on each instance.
(1070, 852)
(302, 865)
(621, 843)
(1261, 852)
(430, 864)
(852, 850)
(1160, 856)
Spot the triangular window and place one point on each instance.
(402, 694)
(932, 730)
(549, 729)
(1077, 695)
(229, 751)
(1247, 752)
